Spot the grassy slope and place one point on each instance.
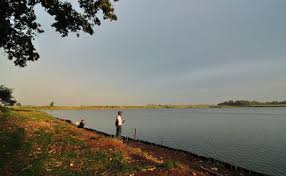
(34, 143)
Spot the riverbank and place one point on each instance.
(49, 146)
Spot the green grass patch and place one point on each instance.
(4, 113)
(11, 141)
(70, 140)
(114, 163)
(36, 167)
(69, 154)
(43, 137)
(34, 164)
(169, 165)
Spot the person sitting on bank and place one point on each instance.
(81, 124)
(118, 123)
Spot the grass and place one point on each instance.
(47, 146)
(170, 164)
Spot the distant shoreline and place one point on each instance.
(113, 107)
(142, 107)
(251, 106)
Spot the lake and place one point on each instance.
(253, 138)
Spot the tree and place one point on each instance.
(52, 104)
(6, 97)
(18, 25)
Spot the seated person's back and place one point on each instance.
(81, 124)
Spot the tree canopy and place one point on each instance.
(6, 97)
(19, 26)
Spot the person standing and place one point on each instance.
(118, 123)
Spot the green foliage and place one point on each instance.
(18, 25)
(4, 112)
(52, 104)
(250, 103)
(6, 96)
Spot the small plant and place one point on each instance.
(169, 165)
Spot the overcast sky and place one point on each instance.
(161, 52)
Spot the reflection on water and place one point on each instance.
(249, 137)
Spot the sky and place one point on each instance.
(160, 52)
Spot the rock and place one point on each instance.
(151, 168)
(214, 168)
(58, 164)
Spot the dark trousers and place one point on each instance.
(118, 131)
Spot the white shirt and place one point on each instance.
(119, 119)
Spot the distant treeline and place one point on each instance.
(85, 107)
(250, 103)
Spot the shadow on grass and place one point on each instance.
(16, 156)
(12, 139)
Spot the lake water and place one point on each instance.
(253, 138)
